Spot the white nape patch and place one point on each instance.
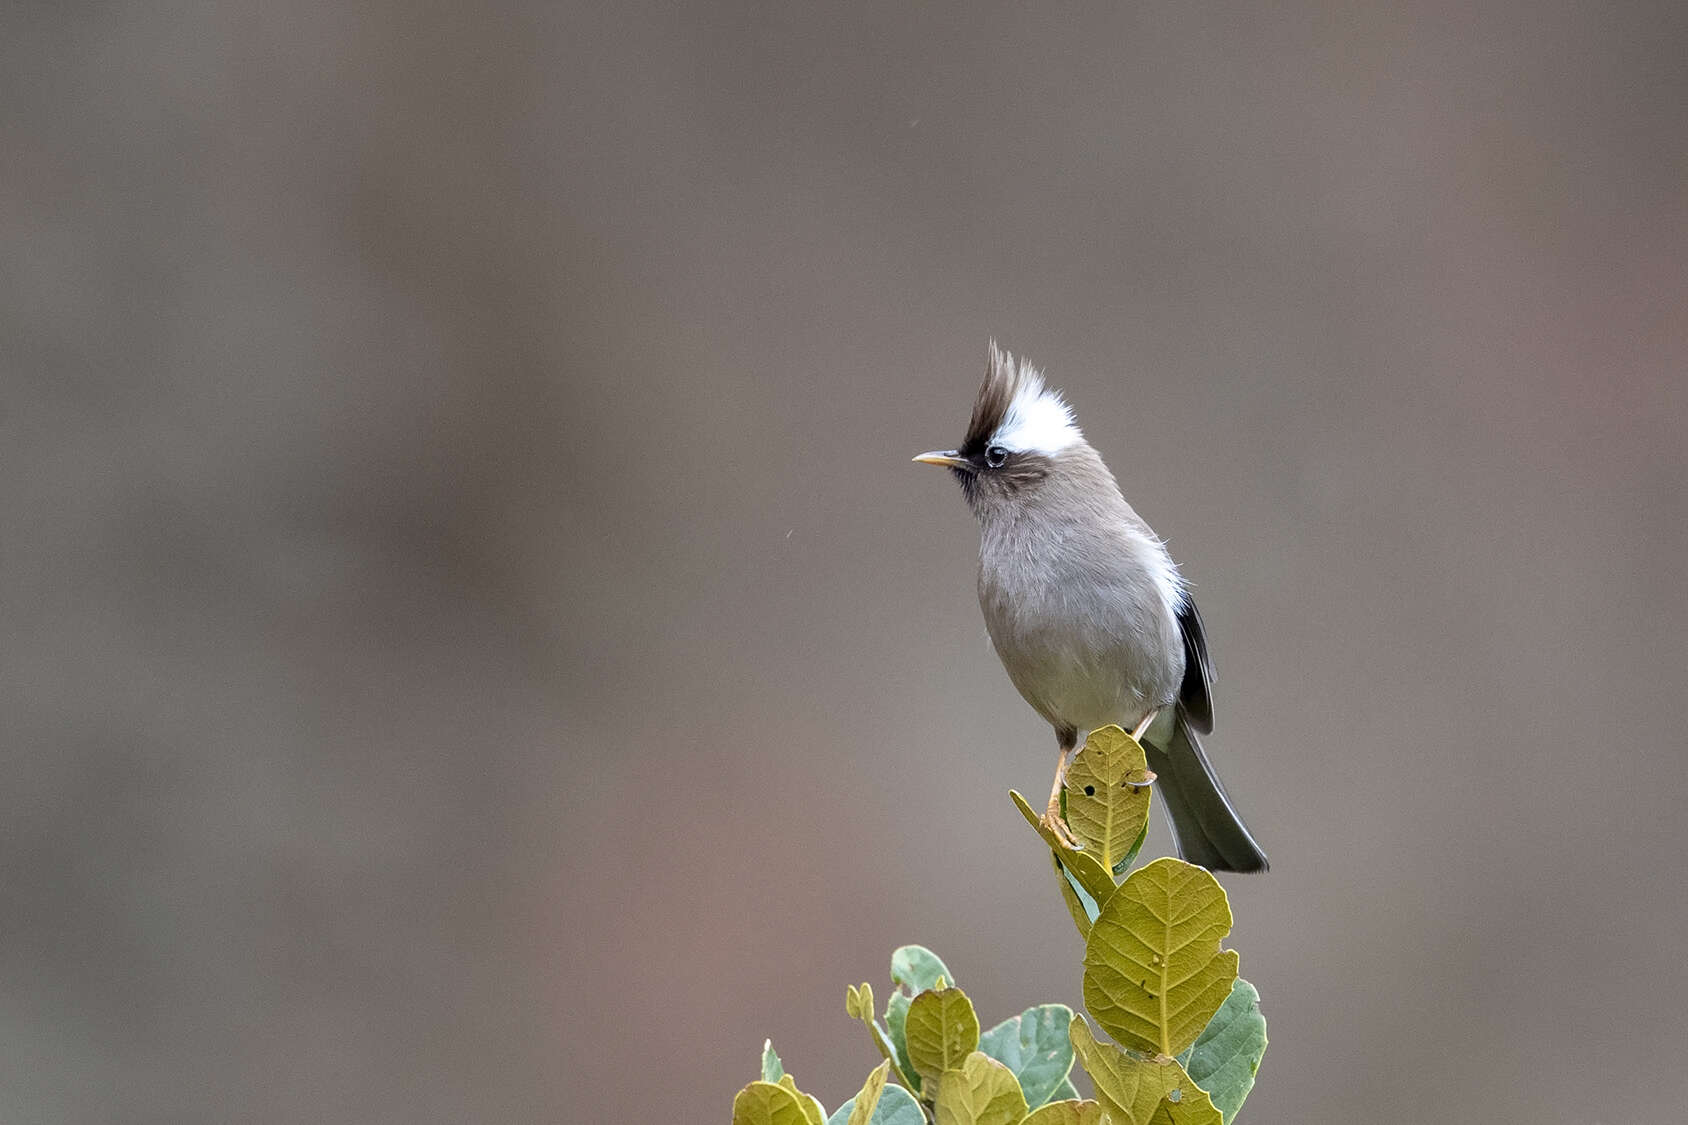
(1038, 419)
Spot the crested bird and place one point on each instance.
(1085, 607)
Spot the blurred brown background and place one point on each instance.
(477, 649)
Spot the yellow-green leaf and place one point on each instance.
(1130, 1086)
(896, 1107)
(764, 1103)
(858, 1002)
(811, 1106)
(1086, 868)
(1108, 795)
(914, 969)
(1227, 1052)
(1076, 906)
(1069, 1113)
(868, 1100)
(1153, 970)
(981, 1091)
(1185, 1111)
(942, 1030)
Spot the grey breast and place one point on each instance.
(1077, 617)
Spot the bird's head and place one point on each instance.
(1021, 434)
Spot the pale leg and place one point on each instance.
(1052, 815)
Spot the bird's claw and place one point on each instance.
(1053, 821)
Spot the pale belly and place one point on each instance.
(1084, 678)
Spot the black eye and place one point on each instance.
(996, 456)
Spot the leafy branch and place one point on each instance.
(1187, 1031)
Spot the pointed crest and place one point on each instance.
(1016, 410)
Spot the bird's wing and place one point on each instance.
(1195, 694)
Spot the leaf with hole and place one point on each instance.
(1108, 797)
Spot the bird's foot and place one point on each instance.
(1052, 820)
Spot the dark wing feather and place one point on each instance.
(1195, 694)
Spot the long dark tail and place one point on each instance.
(1207, 828)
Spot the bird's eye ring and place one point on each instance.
(996, 456)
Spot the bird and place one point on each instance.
(1085, 607)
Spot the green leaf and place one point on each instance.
(1108, 796)
(1080, 905)
(1185, 1111)
(942, 1031)
(865, 1102)
(1066, 1091)
(1087, 869)
(764, 1103)
(772, 1071)
(1130, 1086)
(896, 1107)
(1131, 851)
(813, 1111)
(981, 1091)
(1068, 1112)
(858, 1002)
(917, 969)
(1036, 1046)
(1227, 1053)
(896, 1023)
(1153, 970)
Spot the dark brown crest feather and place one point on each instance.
(1003, 379)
